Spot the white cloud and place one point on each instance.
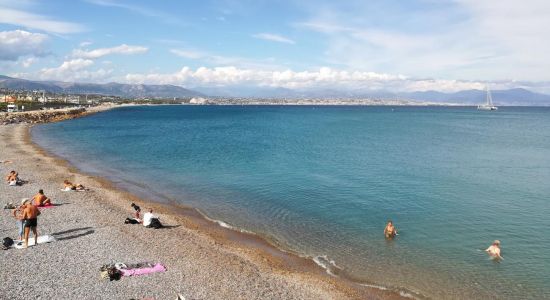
(224, 61)
(191, 54)
(85, 44)
(18, 43)
(97, 53)
(324, 77)
(490, 40)
(273, 38)
(72, 70)
(29, 20)
(28, 62)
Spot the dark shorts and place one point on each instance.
(31, 222)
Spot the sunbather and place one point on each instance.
(69, 186)
(12, 178)
(80, 187)
(40, 199)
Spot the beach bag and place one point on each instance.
(7, 242)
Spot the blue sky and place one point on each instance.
(445, 45)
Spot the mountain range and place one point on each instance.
(110, 89)
(517, 96)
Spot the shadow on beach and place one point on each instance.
(169, 226)
(79, 232)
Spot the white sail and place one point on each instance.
(489, 105)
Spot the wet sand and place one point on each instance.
(203, 260)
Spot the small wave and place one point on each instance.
(225, 225)
(329, 265)
(383, 288)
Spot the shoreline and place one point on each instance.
(256, 250)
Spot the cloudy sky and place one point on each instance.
(444, 45)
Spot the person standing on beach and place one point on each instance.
(40, 199)
(18, 215)
(30, 217)
(494, 250)
(390, 231)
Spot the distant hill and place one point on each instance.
(500, 97)
(110, 89)
(518, 96)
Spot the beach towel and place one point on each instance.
(42, 239)
(47, 205)
(143, 271)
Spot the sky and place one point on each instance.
(414, 45)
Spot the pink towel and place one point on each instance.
(46, 205)
(143, 271)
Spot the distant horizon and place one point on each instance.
(419, 45)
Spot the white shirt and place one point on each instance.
(147, 218)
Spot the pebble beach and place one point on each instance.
(203, 261)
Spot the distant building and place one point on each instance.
(10, 98)
(198, 101)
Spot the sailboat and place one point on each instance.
(489, 105)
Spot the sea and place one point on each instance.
(322, 181)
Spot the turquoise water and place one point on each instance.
(322, 181)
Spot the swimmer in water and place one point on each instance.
(390, 231)
(494, 250)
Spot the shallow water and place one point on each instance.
(322, 181)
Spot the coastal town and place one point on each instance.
(25, 100)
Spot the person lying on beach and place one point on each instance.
(150, 220)
(390, 231)
(40, 199)
(80, 187)
(69, 186)
(12, 178)
(494, 250)
(18, 215)
(30, 217)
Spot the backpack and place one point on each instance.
(7, 242)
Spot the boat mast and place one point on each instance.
(489, 98)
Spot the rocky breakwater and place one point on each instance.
(43, 116)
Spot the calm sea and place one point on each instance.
(323, 181)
